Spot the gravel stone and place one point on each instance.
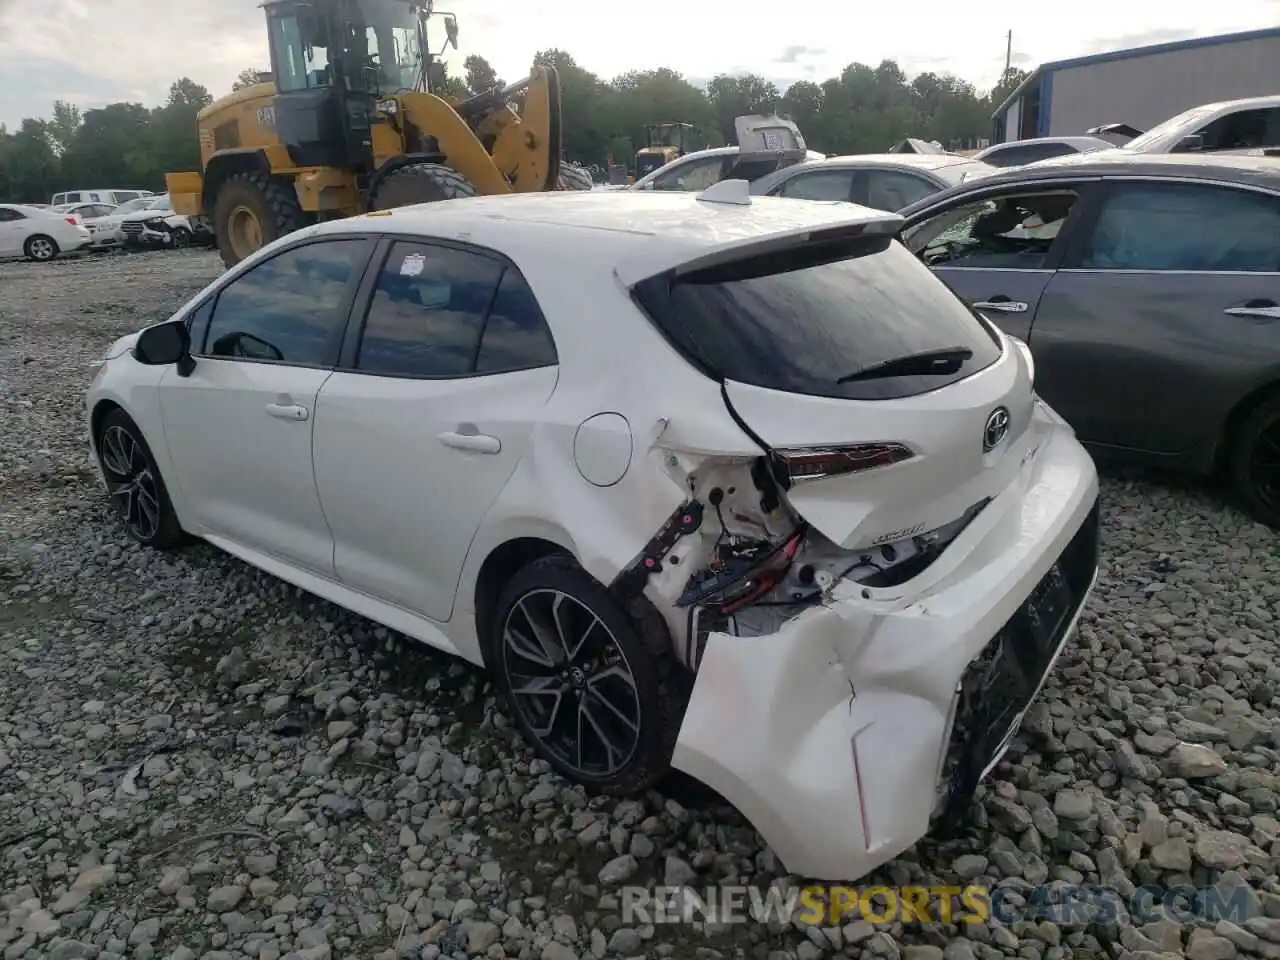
(200, 762)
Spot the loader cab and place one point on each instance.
(664, 142)
(333, 60)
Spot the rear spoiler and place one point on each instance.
(1116, 129)
(808, 223)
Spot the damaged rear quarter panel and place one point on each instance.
(676, 417)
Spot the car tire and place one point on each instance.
(634, 702)
(1254, 463)
(138, 493)
(40, 248)
(181, 238)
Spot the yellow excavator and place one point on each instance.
(354, 121)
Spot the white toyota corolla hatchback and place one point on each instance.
(726, 483)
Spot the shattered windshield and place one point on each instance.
(384, 36)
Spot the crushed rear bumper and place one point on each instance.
(843, 735)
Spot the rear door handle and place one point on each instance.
(471, 442)
(1261, 309)
(1003, 306)
(288, 411)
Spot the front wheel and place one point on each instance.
(133, 480)
(1255, 462)
(590, 694)
(181, 238)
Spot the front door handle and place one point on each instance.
(1260, 309)
(1003, 306)
(471, 442)
(288, 411)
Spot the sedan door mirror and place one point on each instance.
(167, 343)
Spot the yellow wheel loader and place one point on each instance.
(350, 124)
(664, 142)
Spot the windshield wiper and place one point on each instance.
(946, 360)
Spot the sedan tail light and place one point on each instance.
(814, 463)
(73, 220)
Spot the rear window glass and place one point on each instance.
(801, 322)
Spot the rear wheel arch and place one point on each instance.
(503, 563)
(510, 557)
(1238, 416)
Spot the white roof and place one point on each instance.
(635, 235)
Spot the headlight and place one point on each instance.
(1026, 355)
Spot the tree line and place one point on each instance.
(863, 110)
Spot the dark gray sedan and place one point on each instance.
(1148, 288)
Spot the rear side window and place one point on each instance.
(804, 321)
(1030, 153)
(427, 313)
(892, 189)
(516, 336)
(824, 185)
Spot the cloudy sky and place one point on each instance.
(92, 52)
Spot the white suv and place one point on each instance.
(748, 492)
(112, 196)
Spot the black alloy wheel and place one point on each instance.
(134, 483)
(590, 693)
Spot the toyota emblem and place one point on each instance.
(996, 430)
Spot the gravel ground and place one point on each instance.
(197, 760)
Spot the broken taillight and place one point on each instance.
(814, 463)
(742, 574)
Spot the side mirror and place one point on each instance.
(1190, 143)
(165, 344)
(451, 30)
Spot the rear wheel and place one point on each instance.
(573, 177)
(40, 248)
(592, 693)
(251, 211)
(421, 183)
(1255, 462)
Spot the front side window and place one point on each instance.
(427, 313)
(1014, 232)
(301, 52)
(696, 175)
(892, 189)
(1173, 226)
(383, 36)
(820, 321)
(830, 185)
(59, 199)
(288, 309)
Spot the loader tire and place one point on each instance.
(574, 177)
(252, 210)
(421, 183)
